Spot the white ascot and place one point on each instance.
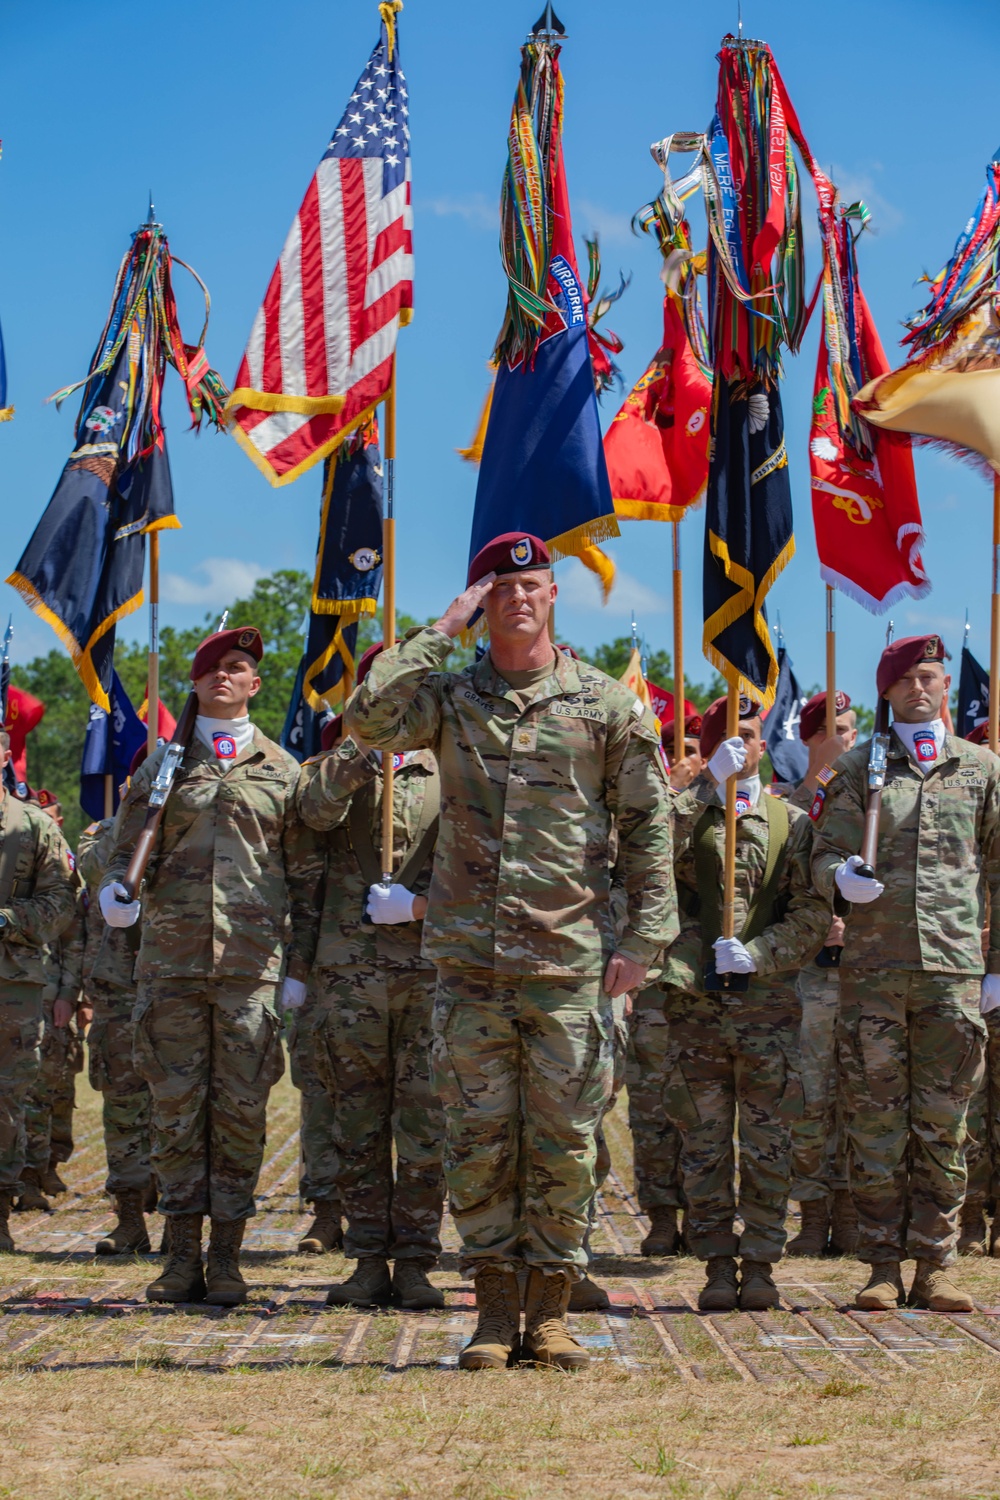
(240, 731)
(908, 734)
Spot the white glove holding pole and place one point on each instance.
(858, 889)
(731, 957)
(989, 995)
(730, 757)
(293, 993)
(117, 912)
(389, 903)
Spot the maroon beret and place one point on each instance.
(509, 554)
(44, 798)
(713, 724)
(366, 660)
(813, 716)
(897, 659)
(568, 651)
(331, 732)
(980, 735)
(692, 729)
(138, 758)
(214, 647)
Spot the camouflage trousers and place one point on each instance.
(125, 1095)
(20, 1056)
(210, 1050)
(320, 1160)
(374, 1035)
(52, 1097)
(911, 1049)
(982, 1146)
(656, 1143)
(525, 1070)
(734, 1069)
(818, 1156)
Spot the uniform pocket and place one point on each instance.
(97, 1069)
(272, 1064)
(443, 1073)
(678, 1103)
(599, 1076)
(147, 1065)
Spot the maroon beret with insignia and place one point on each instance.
(692, 729)
(513, 552)
(366, 661)
(813, 716)
(897, 659)
(713, 724)
(980, 735)
(331, 732)
(44, 798)
(214, 647)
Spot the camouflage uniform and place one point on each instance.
(52, 1098)
(37, 896)
(109, 962)
(656, 1142)
(231, 863)
(982, 1147)
(911, 1042)
(319, 1177)
(818, 1162)
(374, 999)
(519, 925)
(733, 1062)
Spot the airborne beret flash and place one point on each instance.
(511, 553)
(896, 660)
(214, 647)
(713, 725)
(813, 716)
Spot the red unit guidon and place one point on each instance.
(225, 746)
(320, 353)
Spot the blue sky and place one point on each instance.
(224, 110)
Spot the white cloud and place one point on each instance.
(580, 589)
(590, 218)
(225, 579)
(854, 185)
(476, 210)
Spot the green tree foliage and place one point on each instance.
(613, 657)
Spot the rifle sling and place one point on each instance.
(761, 910)
(359, 828)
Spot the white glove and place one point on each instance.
(730, 757)
(118, 913)
(856, 888)
(989, 995)
(293, 993)
(732, 958)
(389, 903)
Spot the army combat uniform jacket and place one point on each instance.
(38, 890)
(938, 854)
(521, 879)
(232, 862)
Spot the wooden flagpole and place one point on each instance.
(995, 624)
(109, 795)
(831, 664)
(678, 649)
(389, 602)
(729, 873)
(153, 668)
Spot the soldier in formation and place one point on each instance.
(540, 757)
(232, 865)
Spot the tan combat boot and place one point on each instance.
(664, 1237)
(721, 1291)
(497, 1339)
(411, 1288)
(995, 1236)
(547, 1340)
(369, 1286)
(934, 1289)
(150, 1196)
(843, 1224)
(30, 1198)
(587, 1295)
(182, 1278)
(972, 1227)
(6, 1201)
(758, 1292)
(815, 1231)
(129, 1235)
(884, 1289)
(226, 1287)
(324, 1233)
(52, 1183)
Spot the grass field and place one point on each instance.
(102, 1395)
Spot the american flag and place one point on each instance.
(320, 353)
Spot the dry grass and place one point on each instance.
(98, 1404)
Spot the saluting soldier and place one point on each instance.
(374, 1000)
(733, 1059)
(540, 757)
(911, 975)
(232, 863)
(819, 1182)
(38, 896)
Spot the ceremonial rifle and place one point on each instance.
(878, 760)
(160, 791)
